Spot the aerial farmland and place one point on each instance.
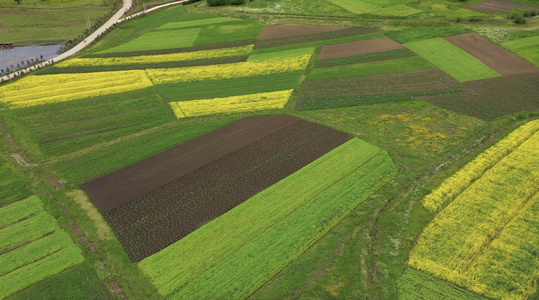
(272, 149)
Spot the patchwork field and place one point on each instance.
(496, 6)
(33, 246)
(488, 228)
(223, 157)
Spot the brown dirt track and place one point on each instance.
(496, 6)
(290, 30)
(161, 217)
(358, 48)
(120, 187)
(496, 57)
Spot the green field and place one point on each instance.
(452, 60)
(352, 172)
(163, 39)
(356, 6)
(33, 246)
(528, 48)
(417, 34)
(398, 65)
(12, 184)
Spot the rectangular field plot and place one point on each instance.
(32, 246)
(196, 182)
(263, 235)
(485, 239)
(452, 60)
(66, 127)
(12, 185)
(358, 48)
(342, 92)
(159, 39)
(526, 47)
(497, 58)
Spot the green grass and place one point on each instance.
(110, 158)
(229, 87)
(12, 185)
(228, 32)
(414, 285)
(526, 47)
(388, 3)
(35, 22)
(281, 54)
(400, 10)
(424, 33)
(270, 213)
(159, 39)
(200, 22)
(62, 128)
(363, 58)
(26, 231)
(356, 6)
(79, 282)
(398, 65)
(452, 60)
(318, 43)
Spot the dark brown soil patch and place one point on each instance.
(164, 215)
(289, 30)
(358, 48)
(294, 40)
(496, 57)
(120, 187)
(496, 6)
(491, 98)
(342, 92)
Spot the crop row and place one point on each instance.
(467, 242)
(363, 58)
(32, 246)
(342, 92)
(235, 104)
(162, 216)
(456, 184)
(271, 229)
(237, 70)
(46, 89)
(159, 58)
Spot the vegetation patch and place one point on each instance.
(526, 47)
(272, 228)
(12, 185)
(32, 247)
(485, 239)
(452, 60)
(363, 58)
(358, 48)
(424, 33)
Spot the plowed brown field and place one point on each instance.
(496, 6)
(496, 57)
(289, 30)
(358, 48)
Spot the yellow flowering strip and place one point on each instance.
(227, 71)
(457, 183)
(480, 240)
(160, 58)
(46, 89)
(236, 104)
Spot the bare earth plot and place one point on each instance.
(120, 187)
(267, 150)
(496, 6)
(290, 30)
(496, 57)
(358, 48)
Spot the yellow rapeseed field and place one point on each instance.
(457, 183)
(484, 240)
(159, 58)
(243, 103)
(46, 89)
(226, 71)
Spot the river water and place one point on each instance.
(19, 54)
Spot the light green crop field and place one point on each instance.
(356, 6)
(281, 54)
(398, 65)
(12, 184)
(452, 60)
(528, 48)
(159, 39)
